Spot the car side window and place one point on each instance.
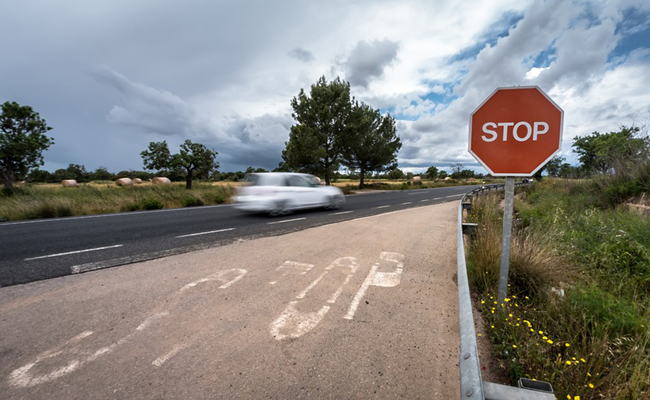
(298, 181)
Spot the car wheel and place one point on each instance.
(335, 202)
(280, 209)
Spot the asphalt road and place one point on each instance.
(43, 249)
(364, 308)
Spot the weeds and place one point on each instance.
(578, 310)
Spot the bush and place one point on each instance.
(191, 201)
(219, 199)
(151, 204)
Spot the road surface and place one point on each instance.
(365, 308)
(43, 249)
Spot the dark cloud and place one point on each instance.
(368, 61)
(301, 54)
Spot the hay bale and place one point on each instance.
(161, 180)
(124, 182)
(137, 181)
(69, 183)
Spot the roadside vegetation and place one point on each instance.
(578, 311)
(50, 201)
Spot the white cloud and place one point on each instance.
(225, 72)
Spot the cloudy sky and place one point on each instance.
(112, 76)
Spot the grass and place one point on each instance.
(578, 313)
(100, 197)
(50, 200)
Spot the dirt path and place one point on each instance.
(364, 308)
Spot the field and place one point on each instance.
(53, 200)
(578, 311)
(101, 197)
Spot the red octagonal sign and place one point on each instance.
(515, 131)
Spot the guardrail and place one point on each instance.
(472, 385)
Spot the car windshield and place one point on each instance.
(265, 180)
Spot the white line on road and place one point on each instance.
(161, 360)
(424, 200)
(376, 208)
(205, 233)
(286, 220)
(408, 202)
(74, 252)
(342, 212)
(454, 195)
(437, 198)
(362, 291)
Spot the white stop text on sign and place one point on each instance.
(521, 131)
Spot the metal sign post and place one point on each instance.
(506, 238)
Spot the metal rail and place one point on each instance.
(472, 385)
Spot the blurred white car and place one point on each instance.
(279, 193)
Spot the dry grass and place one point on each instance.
(52, 200)
(566, 320)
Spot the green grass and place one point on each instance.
(48, 201)
(580, 274)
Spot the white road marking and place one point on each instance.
(376, 208)
(305, 321)
(408, 202)
(424, 200)
(302, 294)
(286, 220)
(205, 233)
(379, 279)
(342, 212)
(437, 198)
(74, 252)
(362, 292)
(73, 357)
(293, 323)
(296, 265)
(454, 195)
(390, 279)
(177, 349)
(220, 276)
(21, 377)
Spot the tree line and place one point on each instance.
(332, 131)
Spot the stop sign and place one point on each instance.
(515, 131)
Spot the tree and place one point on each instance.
(395, 174)
(22, 142)
(369, 142)
(613, 151)
(456, 169)
(314, 142)
(77, 172)
(554, 166)
(157, 157)
(432, 173)
(101, 174)
(193, 158)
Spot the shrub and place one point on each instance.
(191, 201)
(151, 204)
